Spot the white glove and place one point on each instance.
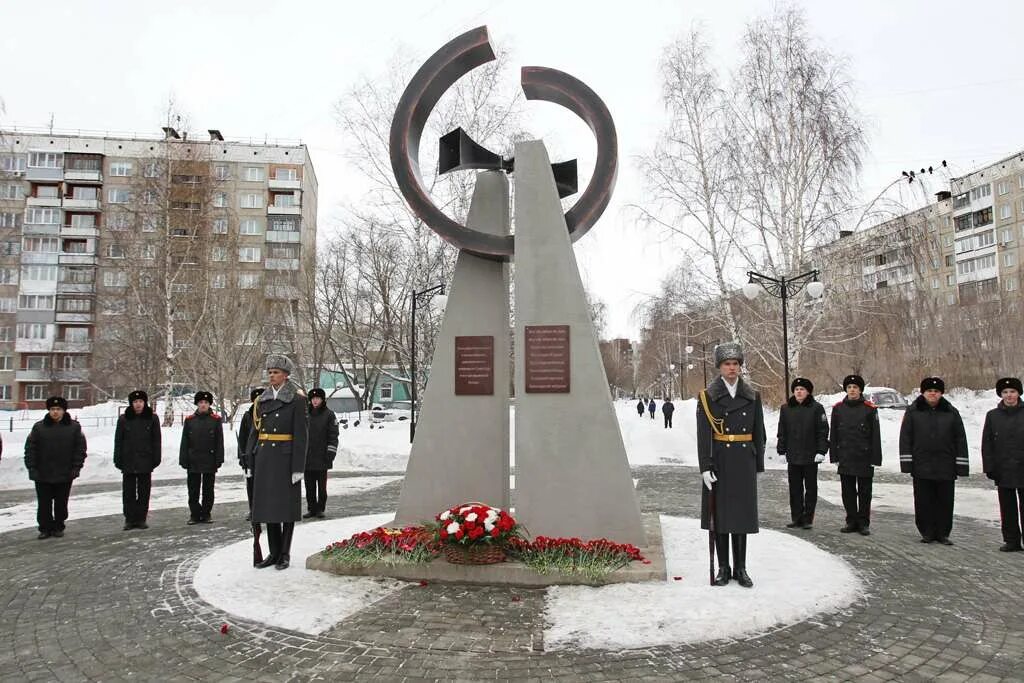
(709, 478)
(296, 477)
(248, 474)
(819, 458)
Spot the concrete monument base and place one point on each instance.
(509, 573)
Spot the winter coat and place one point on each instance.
(640, 407)
(276, 458)
(651, 407)
(1002, 446)
(244, 432)
(933, 444)
(55, 451)
(668, 408)
(202, 443)
(855, 439)
(323, 439)
(803, 431)
(137, 442)
(735, 463)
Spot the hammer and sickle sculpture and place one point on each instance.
(432, 80)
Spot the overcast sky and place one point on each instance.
(935, 80)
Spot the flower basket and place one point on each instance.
(474, 554)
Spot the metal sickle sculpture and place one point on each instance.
(434, 78)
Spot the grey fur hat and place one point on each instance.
(728, 351)
(280, 361)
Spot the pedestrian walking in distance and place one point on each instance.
(651, 408)
(202, 454)
(1002, 457)
(640, 407)
(730, 450)
(803, 441)
(855, 444)
(667, 408)
(933, 450)
(54, 456)
(278, 444)
(244, 456)
(323, 446)
(136, 455)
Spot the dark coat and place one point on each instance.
(244, 433)
(803, 431)
(933, 444)
(651, 407)
(202, 443)
(668, 408)
(323, 439)
(736, 464)
(640, 407)
(855, 439)
(1002, 446)
(137, 442)
(55, 451)
(275, 498)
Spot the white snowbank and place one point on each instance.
(690, 610)
(297, 598)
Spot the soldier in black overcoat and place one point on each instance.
(201, 455)
(730, 448)
(1002, 457)
(667, 408)
(803, 440)
(244, 457)
(933, 449)
(54, 455)
(323, 446)
(640, 406)
(278, 446)
(855, 443)
(137, 453)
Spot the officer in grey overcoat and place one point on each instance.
(730, 449)
(277, 444)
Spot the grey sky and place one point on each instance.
(935, 79)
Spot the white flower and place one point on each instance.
(445, 515)
(452, 528)
(471, 517)
(491, 516)
(488, 526)
(464, 509)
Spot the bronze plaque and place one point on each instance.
(547, 359)
(474, 366)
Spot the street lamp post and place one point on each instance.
(686, 373)
(425, 295)
(784, 288)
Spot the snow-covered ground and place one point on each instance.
(611, 617)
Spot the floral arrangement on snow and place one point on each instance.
(383, 544)
(593, 559)
(476, 524)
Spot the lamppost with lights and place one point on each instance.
(439, 300)
(784, 288)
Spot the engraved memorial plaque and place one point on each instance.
(474, 366)
(547, 359)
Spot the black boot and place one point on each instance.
(284, 558)
(274, 546)
(739, 552)
(722, 550)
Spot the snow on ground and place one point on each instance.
(972, 502)
(689, 610)
(298, 598)
(23, 515)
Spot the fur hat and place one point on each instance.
(318, 392)
(1008, 383)
(802, 382)
(933, 383)
(853, 379)
(728, 351)
(138, 394)
(203, 396)
(279, 361)
(56, 402)
(255, 392)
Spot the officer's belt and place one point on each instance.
(732, 437)
(276, 437)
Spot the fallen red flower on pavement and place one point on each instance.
(423, 582)
(677, 578)
(224, 628)
(515, 598)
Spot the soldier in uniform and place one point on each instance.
(54, 455)
(730, 448)
(1002, 458)
(323, 446)
(244, 460)
(278, 447)
(137, 453)
(855, 444)
(201, 454)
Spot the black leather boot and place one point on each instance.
(284, 558)
(739, 551)
(274, 546)
(722, 550)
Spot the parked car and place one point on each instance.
(884, 397)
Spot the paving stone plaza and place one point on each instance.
(104, 604)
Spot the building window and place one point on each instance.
(73, 392)
(76, 334)
(220, 199)
(1006, 236)
(12, 164)
(8, 304)
(39, 273)
(45, 160)
(1009, 259)
(253, 174)
(115, 251)
(46, 192)
(6, 362)
(83, 220)
(285, 200)
(1003, 187)
(45, 245)
(115, 278)
(121, 168)
(248, 280)
(5, 392)
(220, 281)
(983, 217)
(986, 239)
(386, 391)
(286, 174)
(962, 222)
(8, 219)
(1006, 211)
(36, 363)
(982, 191)
(117, 195)
(220, 226)
(8, 275)
(249, 226)
(15, 191)
(249, 255)
(35, 392)
(251, 200)
(950, 260)
(75, 305)
(1011, 283)
(219, 253)
(951, 298)
(221, 172)
(36, 302)
(33, 331)
(151, 169)
(34, 216)
(148, 252)
(5, 334)
(76, 362)
(283, 225)
(950, 280)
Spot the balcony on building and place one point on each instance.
(76, 287)
(284, 204)
(283, 292)
(33, 345)
(66, 346)
(70, 258)
(45, 258)
(83, 168)
(42, 173)
(71, 375)
(285, 179)
(80, 230)
(287, 236)
(282, 264)
(75, 317)
(34, 375)
(53, 202)
(73, 204)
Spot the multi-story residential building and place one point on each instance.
(73, 222)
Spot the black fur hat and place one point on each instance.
(137, 394)
(203, 396)
(56, 402)
(255, 392)
(933, 383)
(802, 382)
(1008, 383)
(313, 393)
(853, 379)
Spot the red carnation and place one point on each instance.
(224, 628)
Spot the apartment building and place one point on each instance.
(70, 226)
